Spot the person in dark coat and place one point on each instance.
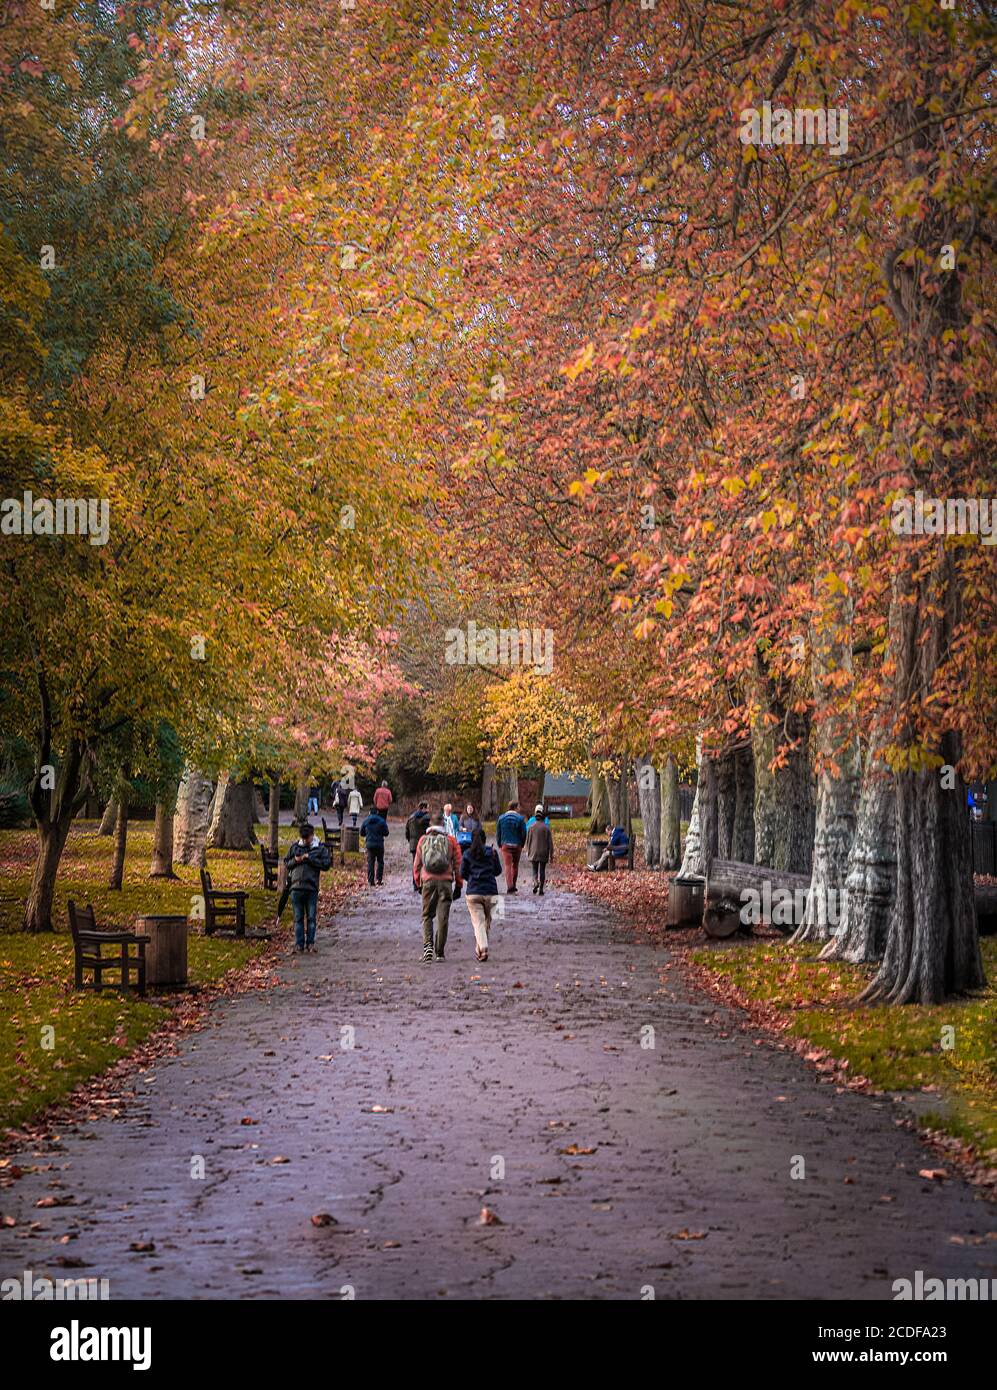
(305, 860)
(539, 851)
(415, 827)
(374, 832)
(480, 868)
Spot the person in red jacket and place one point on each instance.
(383, 799)
(436, 872)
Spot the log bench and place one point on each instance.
(88, 944)
(727, 881)
(225, 908)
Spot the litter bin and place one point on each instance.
(166, 953)
(351, 839)
(685, 901)
(596, 849)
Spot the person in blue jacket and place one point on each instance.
(510, 836)
(617, 849)
(538, 814)
(375, 831)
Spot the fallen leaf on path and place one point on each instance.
(142, 1247)
(576, 1149)
(280, 1159)
(247, 1121)
(324, 1218)
(685, 1234)
(488, 1218)
(378, 1110)
(934, 1174)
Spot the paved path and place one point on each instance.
(483, 1071)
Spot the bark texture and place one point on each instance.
(743, 841)
(649, 797)
(671, 822)
(193, 818)
(232, 815)
(872, 864)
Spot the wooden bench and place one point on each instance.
(559, 812)
(88, 943)
(223, 907)
(726, 883)
(269, 867)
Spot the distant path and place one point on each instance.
(534, 1052)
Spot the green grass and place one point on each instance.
(897, 1047)
(90, 1030)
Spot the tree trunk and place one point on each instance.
(273, 818)
(162, 842)
(932, 948)
(51, 842)
(259, 810)
(193, 818)
(784, 812)
(120, 831)
(109, 818)
(726, 805)
(671, 820)
(743, 838)
(693, 859)
(838, 778)
(869, 883)
(599, 816)
(488, 792)
(54, 809)
(708, 812)
(232, 815)
(649, 797)
(300, 797)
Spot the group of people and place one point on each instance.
(452, 853)
(346, 800)
(450, 856)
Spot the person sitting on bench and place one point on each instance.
(618, 848)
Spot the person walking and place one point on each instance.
(313, 801)
(354, 804)
(340, 796)
(480, 868)
(510, 836)
(305, 860)
(538, 814)
(451, 821)
(469, 821)
(383, 799)
(539, 850)
(436, 873)
(415, 828)
(374, 831)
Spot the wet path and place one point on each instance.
(521, 1086)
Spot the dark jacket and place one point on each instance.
(619, 843)
(511, 829)
(375, 830)
(480, 872)
(306, 874)
(469, 823)
(539, 842)
(415, 828)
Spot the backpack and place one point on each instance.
(435, 852)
